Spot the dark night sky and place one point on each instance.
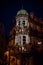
(8, 10)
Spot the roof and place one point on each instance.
(22, 11)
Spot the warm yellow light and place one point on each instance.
(39, 43)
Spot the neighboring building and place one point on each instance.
(26, 31)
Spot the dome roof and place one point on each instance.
(22, 11)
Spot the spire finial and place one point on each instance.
(22, 6)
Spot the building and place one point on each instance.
(26, 32)
(27, 28)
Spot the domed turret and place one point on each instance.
(22, 11)
(22, 25)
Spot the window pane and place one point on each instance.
(24, 39)
(19, 23)
(23, 22)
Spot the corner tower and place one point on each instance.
(22, 29)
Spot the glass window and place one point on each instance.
(39, 43)
(39, 28)
(24, 39)
(19, 23)
(32, 25)
(23, 22)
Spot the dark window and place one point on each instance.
(19, 23)
(23, 22)
(24, 39)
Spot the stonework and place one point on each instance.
(24, 36)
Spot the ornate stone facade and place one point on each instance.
(26, 34)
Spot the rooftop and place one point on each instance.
(22, 11)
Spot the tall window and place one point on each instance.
(24, 40)
(19, 23)
(23, 22)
